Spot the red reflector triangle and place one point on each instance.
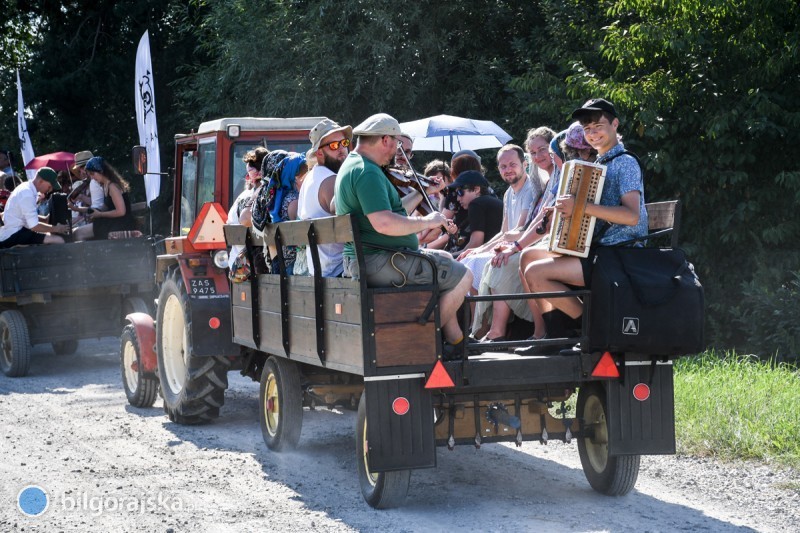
(606, 367)
(439, 378)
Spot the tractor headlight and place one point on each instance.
(221, 258)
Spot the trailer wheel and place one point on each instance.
(381, 490)
(280, 404)
(134, 304)
(67, 347)
(141, 389)
(611, 475)
(15, 344)
(193, 387)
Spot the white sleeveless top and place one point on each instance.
(330, 255)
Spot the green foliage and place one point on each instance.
(770, 314)
(737, 407)
(78, 76)
(349, 60)
(708, 91)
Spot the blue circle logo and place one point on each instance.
(32, 500)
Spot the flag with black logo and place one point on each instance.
(146, 117)
(24, 138)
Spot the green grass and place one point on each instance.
(734, 406)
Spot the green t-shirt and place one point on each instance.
(361, 189)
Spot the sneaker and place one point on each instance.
(541, 349)
(452, 352)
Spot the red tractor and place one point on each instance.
(187, 349)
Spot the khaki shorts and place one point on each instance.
(398, 269)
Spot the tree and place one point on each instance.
(708, 92)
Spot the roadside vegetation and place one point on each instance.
(735, 406)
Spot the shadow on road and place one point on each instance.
(497, 488)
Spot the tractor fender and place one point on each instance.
(145, 328)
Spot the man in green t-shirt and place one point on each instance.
(363, 190)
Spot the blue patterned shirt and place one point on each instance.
(623, 175)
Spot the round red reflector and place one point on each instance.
(400, 406)
(641, 392)
(213, 322)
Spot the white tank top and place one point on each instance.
(330, 255)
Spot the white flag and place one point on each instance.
(146, 117)
(24, 139)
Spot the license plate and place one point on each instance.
(202, 286)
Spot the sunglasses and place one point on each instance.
(462, 192)
(336, 144)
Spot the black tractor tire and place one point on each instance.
(280, 404)
(193, 387)
(67, 347)
(15, 344)
(610, 475)
(140, 389)
(382, 490)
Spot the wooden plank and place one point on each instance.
(328, 229)
(399, 306)
(342, 302)
(405, 344)
(661, 215)
(344, 341)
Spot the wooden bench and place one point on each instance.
(664, 218)
(337, 323)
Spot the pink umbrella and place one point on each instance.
(57, 161)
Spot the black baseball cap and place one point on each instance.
(593, 105)
(470, 178)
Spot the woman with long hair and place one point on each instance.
(116, 213)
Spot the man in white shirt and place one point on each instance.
(330, 143)
(21, 220)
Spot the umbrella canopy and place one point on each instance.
(447, 133)
(57, 161)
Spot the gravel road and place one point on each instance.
(106, 466)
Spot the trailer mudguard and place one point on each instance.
(641, 410)
(145, 328)
(400, 432)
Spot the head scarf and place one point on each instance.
(575, 138)
(280, 169)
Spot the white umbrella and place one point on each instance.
(446, 133)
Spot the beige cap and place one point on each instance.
(324, 128)
(380, 124)
(81, 158)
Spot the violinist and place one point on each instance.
(363, 191)
(403, 154)
(85, 191)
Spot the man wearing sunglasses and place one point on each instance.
(330, 144)
(403, 154)
(363, 190)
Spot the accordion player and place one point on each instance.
(572, 235)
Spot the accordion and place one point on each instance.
(572, 235)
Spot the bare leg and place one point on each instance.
(49, 238)
(448, 307)
(552, 275)
(537, 306)
(83, 233)
(501, 312)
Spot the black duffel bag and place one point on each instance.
(646, 300)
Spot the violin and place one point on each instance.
(407, 182)
(79, 189)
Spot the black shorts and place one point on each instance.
(23, 236)
(586, 265)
